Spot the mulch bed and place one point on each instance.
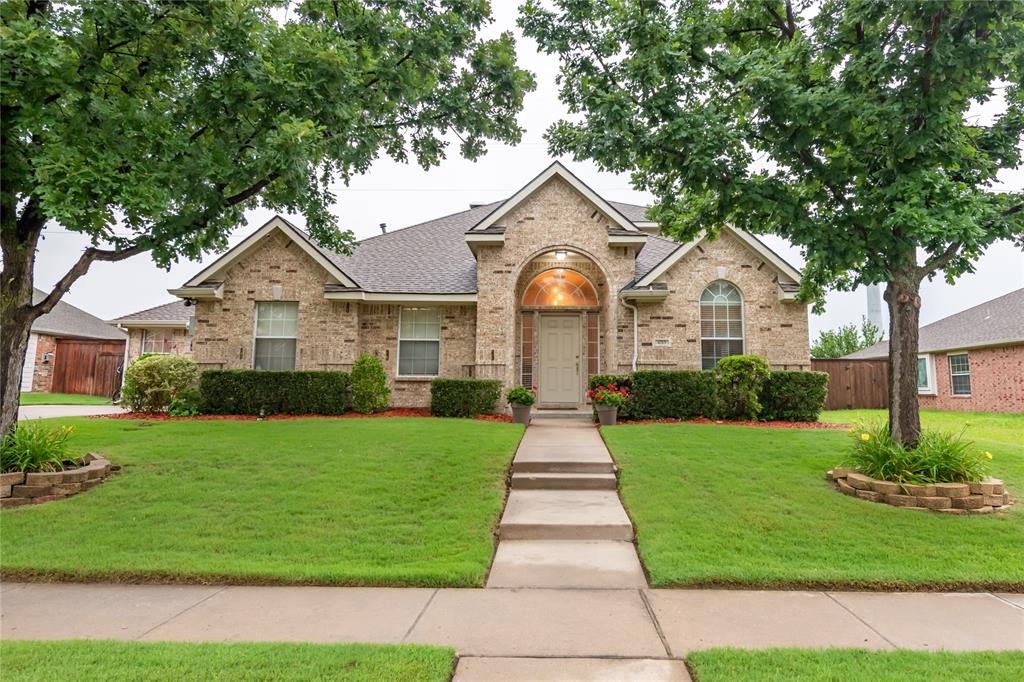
(765, 425)
(397, 412)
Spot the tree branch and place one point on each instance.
(252, 190)
(80, 267)
(943, 259)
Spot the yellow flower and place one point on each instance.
(865, 436)
(988, 455)
(851, 430)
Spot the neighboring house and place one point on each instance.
(163, 329)
(542, 289)
(71, 351)
(973, 360)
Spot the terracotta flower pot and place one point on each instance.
(608, 415)
(521, 413)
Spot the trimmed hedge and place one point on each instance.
(793, 396)
(674, 394)
(262, 392)
(463, 397)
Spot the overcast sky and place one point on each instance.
(402, 195)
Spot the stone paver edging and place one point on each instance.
(18, 488)
(982, 497)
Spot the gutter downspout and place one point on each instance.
(636, 340)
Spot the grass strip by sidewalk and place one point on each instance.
(854, 665)
(718, 505)
(376, 502)
(60, 661)
(41, 398)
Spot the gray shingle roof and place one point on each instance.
(655, 250)
(997, 322)
(67, 320)
(633, 212)
(175, 311)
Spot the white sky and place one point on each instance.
(402, 195)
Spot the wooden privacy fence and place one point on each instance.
(855, 384)
(87, 367)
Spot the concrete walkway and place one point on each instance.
(48, 411)
(564, 525)
(656, 627)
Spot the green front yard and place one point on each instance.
(39, 398)
(328, 501)
(854, 665)
(734, 505)
(174, 661)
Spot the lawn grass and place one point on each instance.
(718, 505)
(854, 665)
(41, 398)
(307, 501)
(988, 430)
(174, 661)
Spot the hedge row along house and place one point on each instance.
(544, 289)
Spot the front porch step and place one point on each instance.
(596, 564)
(566, 466)
(564, 515)
(563, 481)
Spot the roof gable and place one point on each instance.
(556, 169)
(175, 313)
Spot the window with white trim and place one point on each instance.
(959, 374)
(419, 342)
(277, 325)
(925, 374)
(721, 323)
(158, 341)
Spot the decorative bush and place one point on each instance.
(370, 392)
(793, 396)
(520, 395)
(608, 396)
(33, 446)
(940, 457)
(187, 404)
(673, 395)
(463, 397)
(740, 379)
(261, 392)
(152, 382)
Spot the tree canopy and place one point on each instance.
(846, 339)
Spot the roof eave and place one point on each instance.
(200, 292)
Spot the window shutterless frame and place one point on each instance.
(724, 295)
(280, 323)
(165, 340)
(925, 361)
(420, 326)
(959, 374)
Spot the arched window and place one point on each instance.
(721, 323)
(560, 287)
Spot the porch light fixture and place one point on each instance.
(560, 255)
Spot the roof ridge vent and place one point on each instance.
(476, 204)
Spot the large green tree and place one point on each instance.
(839, 125)
(849, 338)
(152, 125)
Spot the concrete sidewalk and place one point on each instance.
(519, 623)
(48, 411)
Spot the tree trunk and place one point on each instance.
(903, 296)
(13, 344)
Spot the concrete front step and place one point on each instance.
(563, 481)
(598, 564)
(564, 515)
(479, 669)
(561, 466)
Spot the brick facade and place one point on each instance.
(181, 342)
(484, 339)
(42, 377)
(997, 381)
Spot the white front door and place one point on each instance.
(559, 359)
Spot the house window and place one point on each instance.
(721, 323)
(419, 342)
(157, 341)
(593, 343)
(960, 374)
(526, 353)
(925, 375)
(277, 325)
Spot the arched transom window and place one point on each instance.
(560, 287)
(721, 323)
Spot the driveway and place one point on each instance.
(47, 411)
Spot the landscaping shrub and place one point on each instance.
(673, 394)
(463, 397)
(32, 446)
(187, 404)
(740, 379)
(520, 395)
(261, 392)
(370, 392)
(152, 382)
(793, 396)
(940, 457)
(620, 381)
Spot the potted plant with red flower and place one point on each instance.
(608, 400)
(521, 399)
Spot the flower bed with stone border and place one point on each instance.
(982, 497)
(18, 488)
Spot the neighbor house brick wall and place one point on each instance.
(42, 378)
(773, 329)
(997, 381)
(181, 342)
